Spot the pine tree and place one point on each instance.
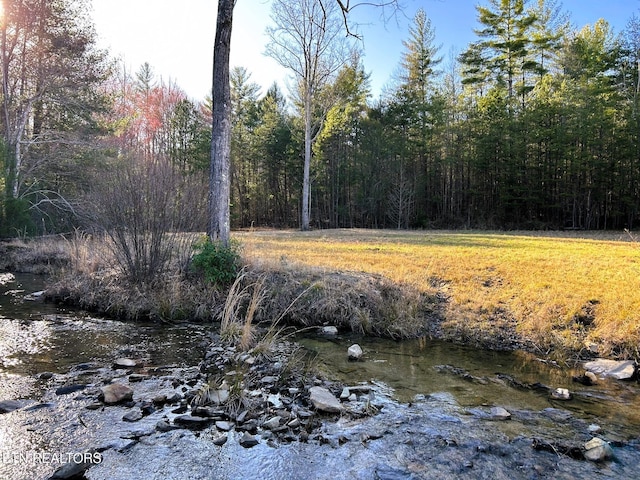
(50, 71)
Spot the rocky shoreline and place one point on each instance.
(176, 422)
(269, 397)
(270, 400)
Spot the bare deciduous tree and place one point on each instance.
(50, 68)
(219, 185)
(308, 39)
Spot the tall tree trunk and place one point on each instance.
(9, 158)
(219, 175)
(306, 182)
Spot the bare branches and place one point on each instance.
(346, 7)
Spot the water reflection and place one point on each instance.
(36, 337)
(476, 377)
(20, 340)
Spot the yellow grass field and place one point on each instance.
(558, 290)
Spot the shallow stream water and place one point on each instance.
(479, 378)
(434, 400)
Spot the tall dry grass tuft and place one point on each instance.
(240, 310)
(88, 254)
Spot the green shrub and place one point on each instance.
(217, 263)
(17, 221)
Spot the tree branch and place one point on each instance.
(346, 8)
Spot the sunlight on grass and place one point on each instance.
(558, 290)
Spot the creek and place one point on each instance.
(433, 400)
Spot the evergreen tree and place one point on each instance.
(504, 44)
(592, 167)
(245, 171)
(275, 147)
(50, 70)
(415, 112)
(338, 146)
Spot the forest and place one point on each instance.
(535, 125)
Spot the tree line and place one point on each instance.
(534, 125)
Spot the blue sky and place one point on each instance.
(176, 38)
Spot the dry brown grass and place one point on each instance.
(549, 291)
(240, 310)
(41, 256)
(553, 292)
(91, 280)
(352, 301)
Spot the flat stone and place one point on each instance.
(561, 394)
(248, 440)
(125, 363)
(116, 393)
(591, 376)
(190, 421)
(322, 399)
(250, 426)
(132, 416)
(72, 470)
(67, 389)
(618, 369)
(136, 377)
(588, 379)
(272, 423)
(274, 399)
(499, 413)
(207, 412)
(594, 428)
(220, 440)
(346, 393)
(7, 406)
(224, 426)
(302, 413)
(295, 423)
(359, 388)
(329, 331)
(164, 426)
(175, 397)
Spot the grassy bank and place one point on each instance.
(558, 292)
